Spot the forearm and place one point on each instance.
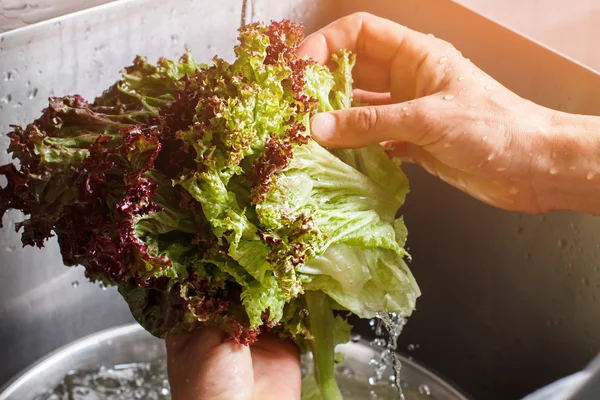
(568, 171)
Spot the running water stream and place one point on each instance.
(390, 325)
(247, 12)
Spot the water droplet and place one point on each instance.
(424, 390)
(431, 35)
(448, 69)
(347, 372)
(379, 342)
(372, 380)
(412, 347)
(448, 97)
(10, 248)
(491, 157)
(461, 78)
(165, 391)
(18, 104)
(6, 99)
(442, 60)
(372, 322)
(75, 283)
(404, 108)
(513, 190)
(374, 362)
(373, 395)
(355, 338)
(304, 313)
(485, 138)
(562, 243)
(58, 23)
(501, 169)
(590, 175)
(488, 87)
(585, 281)
(553, 171)
(31, 95)
(174, 39)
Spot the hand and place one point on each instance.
(432, 106)
(204, 367)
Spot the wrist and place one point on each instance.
(568, 164)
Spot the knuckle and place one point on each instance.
(366, 119)
(361, 15)
(443, 44)
(424, 123)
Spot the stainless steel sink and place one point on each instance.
(128, 344)
(509, 301)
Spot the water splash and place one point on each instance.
(392, 324)
(424, 390)
(148, 380)
(123, 382)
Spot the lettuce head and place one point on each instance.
(197, 190)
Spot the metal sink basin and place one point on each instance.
(509, 301)
(121, 346)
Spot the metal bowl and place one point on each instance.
(132, 344)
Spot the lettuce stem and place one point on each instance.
(321, 325)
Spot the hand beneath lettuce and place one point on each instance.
(203, 366)
(434, 107)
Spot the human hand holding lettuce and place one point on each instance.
(198, 191)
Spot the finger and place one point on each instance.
(175, 344)
(368, 36)
(362, 126)
(371, 75)
(404, 151)
(203, 366)
(364, 97)
(276, 360)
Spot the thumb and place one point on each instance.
(362, 126)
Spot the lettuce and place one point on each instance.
(198, 191)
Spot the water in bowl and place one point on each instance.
(148, 380)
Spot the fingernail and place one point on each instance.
(323, 126)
